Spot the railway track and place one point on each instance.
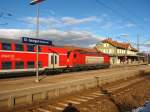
(81, 101)
(88, 101)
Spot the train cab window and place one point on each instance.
(75, 55)
(19, 65)
(55, 59)
(30, 64)
(30, 48)
(6, 65)
(6, 46)
(19, 47)
(52, 59)
(68, 54)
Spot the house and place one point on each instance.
(119, 52)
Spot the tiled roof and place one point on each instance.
(119, 44)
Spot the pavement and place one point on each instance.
(29, 82)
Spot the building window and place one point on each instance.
(30, 48)
(118, 51)
(30, 64)
(19, 47)
(123, 51)
(6, 65)
(19, 65)
(104, 51)
(105, 45)
(110, 51)
(6, 46)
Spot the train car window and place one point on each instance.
(75, 55)
(30, 64)
(39, 48)
(30, 48)
(40, 64)
(52, 59)
(19, 47)
(6, 65)
(19, 65)
(68, 54)
(6, 46)
(55, 59)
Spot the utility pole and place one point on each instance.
(147, 57)
(36, 2)
(37, 46)
(138, 48)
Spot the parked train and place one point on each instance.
(21, 58)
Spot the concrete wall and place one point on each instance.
(51, 91)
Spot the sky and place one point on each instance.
(78, 22)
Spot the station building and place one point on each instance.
(119, 52)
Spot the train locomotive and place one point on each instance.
(18, 58)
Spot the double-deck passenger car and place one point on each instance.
(16, 57)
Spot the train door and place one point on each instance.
(53, 60)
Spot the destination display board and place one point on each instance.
(36, 41)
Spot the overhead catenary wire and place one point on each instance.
(13, 19)
(127, 9)
(124, 17)
(118, 13)
(9, 15)
(143, 44)
(131, 13)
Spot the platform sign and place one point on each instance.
(36, 41)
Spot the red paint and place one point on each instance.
(13, 46)
(75, 58)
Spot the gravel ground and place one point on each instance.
(132, 96)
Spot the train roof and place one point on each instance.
(80, 49)
(56, 48)
(6, 40)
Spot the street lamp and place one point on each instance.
(147, 45)
(123, 36)
(33, 2)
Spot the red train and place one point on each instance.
(17, 58)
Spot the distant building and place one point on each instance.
(119, 52)
(144, 57)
